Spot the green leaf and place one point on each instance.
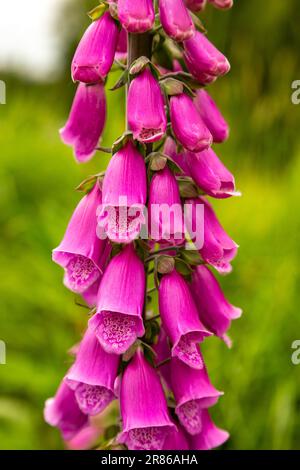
(198, 23)
(138, 65)
(172, 86)
(182, 267)
(191, 257)
(187, 188)
(87, 185)
(98, 11)
(118, 144)
(123, 80)
(158, 161)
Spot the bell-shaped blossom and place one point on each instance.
(176, 20)
(124, 196)
(210, 174)
(176, 440)
(222, 4)
(145, 417)
(203, 59)
(81, 253)
(211, 116)
(93, 375)
(193, 392)
(121, 51)
(180, 319)
(63, 412)
(118, 321)
(210, 435)
(85, 439)
(214, 309)
(136, 16)
(218, 249)
(96, 51)
(165, 209)
(145, 108)
(195, 5)
(86, 121)
(170, 149)
(188, 125)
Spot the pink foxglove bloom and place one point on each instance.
(210, 174)
(86, 121)
(124, 195)
(145, 416)
(211, 116)
(210, 436)
(176, 20)
(218, 249)
(85, 439)
(118, 321)
(93, 375)
(96, 51)
(121, 51)
(136, 16)
(180, 319)
(145, 108)
(214, 309)
(195, 5)
(193, 392)
(81, 253)
(170, 149)
(188, 125)
(165, 209)
(63, 412)
(203, 58)
(176, 440)
(222, 4)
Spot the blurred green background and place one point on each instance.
(39, 320)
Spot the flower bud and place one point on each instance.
(211, 116)
(176, 20)
(136, 16)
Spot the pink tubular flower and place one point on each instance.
(136, 16)
(187, 124)
(180, 319)
(145, 417)
(165, 209)
(193, 392)
(121, 51)
(118, 321)
(124, 195)
(95, 53)
(86, 121)
(218, 249)
(210, 436)
(63, 412)
(211, 116)
(84, 439)
(175, 19)
(210, 174)
(203, 58)
(214, 309)
(222, 4)
(145, 108)
(195, 5)
(170, 149)
(81, 253)
(92, 375)
(176, 440)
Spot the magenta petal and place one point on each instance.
(63, 412)
(86, 121)
(211, 116)
(145, 416)
(214, 309)
(170, 149)
(118, 321)
(176, 440)
(81, 253)
(195, 5)
(210, 436)
(124, 195)
(92, 376)
(188, 125)
(193, 391)
(180, 319)
(222, 4)
(176, 20)
(145, 108)
(210, 174)
(85, 439)
(203, 58)
(136, 16)
(95, 53)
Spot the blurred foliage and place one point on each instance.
(39, 319)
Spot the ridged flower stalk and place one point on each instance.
(145, 228)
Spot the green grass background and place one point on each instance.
(38, 318)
